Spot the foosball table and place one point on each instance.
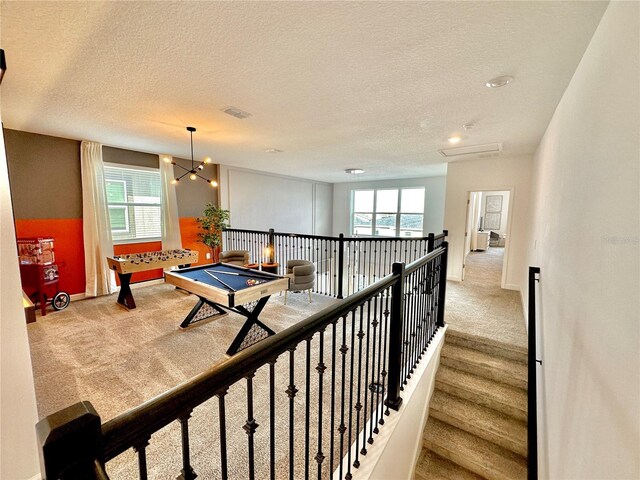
(127, 265)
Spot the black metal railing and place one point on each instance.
(343, 265)
(532, 386)
(318, 388)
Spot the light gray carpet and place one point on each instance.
(97, 351)
(479, 307)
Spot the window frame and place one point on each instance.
(374, 213)
(126, 205)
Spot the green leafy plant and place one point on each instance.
(211, 223)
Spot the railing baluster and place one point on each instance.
(291, 393)
(343, 351)
(307, 403)
(372, 385)
(272, 419)
(350, 427)
(333, 394)
(320, 369)
(141, 449)
(250, 426)
(358, 406)
(187, 472)
(223, 434)
(366, 381)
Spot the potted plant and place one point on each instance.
(211, 223)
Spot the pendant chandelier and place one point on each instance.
(194, 171)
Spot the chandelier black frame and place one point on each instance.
(193, 172)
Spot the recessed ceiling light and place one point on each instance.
(236, 112)
(454, 139)
(273, 150)
(354, 171)
(499, 81)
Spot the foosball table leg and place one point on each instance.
(125, 297)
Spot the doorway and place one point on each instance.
(487, 231)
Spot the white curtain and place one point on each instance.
(98, 244)
(170, 222)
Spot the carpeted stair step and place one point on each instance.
(431, 466)
(492, 347)
(485, 365)
(483, 422)
(473, 453)
(503, 398)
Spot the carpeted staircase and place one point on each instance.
(477, 416)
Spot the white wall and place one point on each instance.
(18, 415)
(259, 201)
(395, 451)
(502, 173)
(585, 237)
(433, 202)
(323, 219)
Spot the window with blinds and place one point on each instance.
(133, 197)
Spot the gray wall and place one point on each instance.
(45, 177)
(193, 195)
(44, 173)
(433, 201)
(259, 201)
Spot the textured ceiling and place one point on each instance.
(376, 85)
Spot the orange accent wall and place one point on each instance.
(126, 248)
(188, 232)
(68, 247)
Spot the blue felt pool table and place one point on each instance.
(222, 286)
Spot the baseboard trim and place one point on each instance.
(157, 281)
(512, 286)
(146, 283)
(77, 296)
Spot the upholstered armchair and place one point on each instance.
(302, 275)
(235, 257)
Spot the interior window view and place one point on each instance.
(336, 240)
(388, 212)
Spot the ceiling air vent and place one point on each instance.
(480, 151)
(236, 112)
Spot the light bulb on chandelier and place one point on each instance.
(193, 171)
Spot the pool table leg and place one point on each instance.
(241, 341)
(192, 317)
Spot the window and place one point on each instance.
(392, 212)
(133, 197)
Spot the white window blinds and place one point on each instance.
(133, 197)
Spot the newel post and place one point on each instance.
(396, 325)
(340, 264)
(431, 241)
(442, 284)
(70, 443)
